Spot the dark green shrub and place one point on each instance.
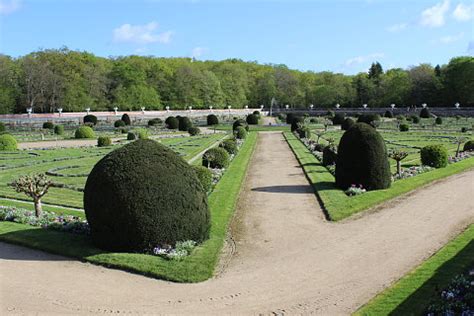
(289, 118)
(439, 120)
(144, 195)
(184, 123)
(91, 119)
(142, 133)
(313, 120)
(155, 122)
(172, 122)
(415, 119)
(304, 132)
(240, 133)
(84, 132)
(212, 120)
(256, 112)
(281, 117)
(119, 123)
(296, 123)
(362, 159)
(401, 117)
(425, 113)
(329, 156)
(252, 119)
(469, 145)
(404, 127)
(126, 119)
(193, 131)
(48, 125)
(338, 118)
(330, 114)
(7, 142)
(371, 119)
(2, 127)
(388, 114)
(216, 157)
(240, 122)
(348, 123)
(435, 156)
(230, 146)
(205, 177)
(104, 141)
(58, 129)
(464, 129)
(131, 136)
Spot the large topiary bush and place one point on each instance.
(230, 146)
(104, 141)
(48, 125)
(425, 113)
(90, 119)
(240, 132)
(329, 156)
(84, 132)
(216, 157)
(143, 195)
(126, 119)
(252, 119)
(388, 114)
(296, 123)
(212, 120)
(193, 131)
(362, 159)
(58, 129)
(240, 122)
(155, 122)
(7, 142)
(289, 118)
(469, 145)
(184, 123)
(348, 123)
(435, 156)
(338, 118)
(205, 177)
(172, 122)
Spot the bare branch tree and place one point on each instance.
(34, 186)
(398, 156)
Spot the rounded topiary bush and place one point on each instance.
(435, 156)
(143, 195)
(184, 123)
(131, 136)
(415, 119)
(348, 123)
(48, 125)
(404, 127)
(126, 119)
(425, 113)
(240, 133)
(329, 156)
(362, 159)
(241, 123)
(7, 142)
(330, 114)
(371, 119)
(84, 132)
(104, 141)
(205, 177)
(193, 131)
(230, 146)
(256, 112)
(58, 129)
(155, 122)
(212, 120)
(90, 119)
(172, 122)
(216, 157)
(439, 120)
(296, 123)
(338, 118)
(289, 118)
(388, 114)
(119, 123)
(252, 119)
(469, 145)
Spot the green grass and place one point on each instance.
(27, 205)
(195, 268)
(255, 128)
(412, 293)
(338, 205)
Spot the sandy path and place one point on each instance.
(288, 258)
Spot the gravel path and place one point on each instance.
(288, 259)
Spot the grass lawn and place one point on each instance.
(197, 267)
(338, 205)
(255, 128)
(411, 295)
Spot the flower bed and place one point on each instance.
(461, 156)
(411, 172)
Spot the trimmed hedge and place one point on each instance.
(252, 119)
(295, 122)
(469, 145)
(48, 125)
(256, 112)
(240, 122)
(425, 113)
(58, 129)
(435, 156)
(131, 136)
(404, 127)
(91, 119)
(172, 122)
(230, 146)
(205, 177)
(154, 122)
(184, 123)
(348, 123)
(362, 159)
(338, 118)
(212, 120)
(84, 132)
(119, 123)
(104, 141)
(131, 204)
(126, 119)
(216, 157)
(289, 118)
(439, 120)
(193, 131)
(240, 132)
(329, 156)
(7, 142)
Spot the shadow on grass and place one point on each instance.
(298, 189)
(418, 301)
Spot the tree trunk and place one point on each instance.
(399, 167)
(457, 150)
(38, 207)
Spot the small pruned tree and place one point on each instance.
(398, 156)
(459, 140)
(34, 186)
(319, 134)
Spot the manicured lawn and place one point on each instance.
(412, 294)
(338, 205)
(195, 268)
(255, 128)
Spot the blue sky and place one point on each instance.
(342, 36)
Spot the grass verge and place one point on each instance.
(338, 205)
(413, 292)
(195, 268)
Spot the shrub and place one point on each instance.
(126, 119)
(2, 127)
(240, 122)
(388, 114)
(91, 119)
(435, 156)
(240, 133)
(230, 146)
(464, 129)
(58, 129)
(172, 122)
(84, 132)
(48, 125)
(154, 122)
(304, 132)
(104, 141)
(362, 159)
(212, 120)
(281, 117)
(348, 123)
(330, 114)
(7, 142)
(439, 120)
(371, 119)
(338, 119)
(289, 118)
(404, 127)
(296, 123)
(131, 136)
(142, 133)
(313, 120)
(216, 157)
(119, 123)
(193, 131)
(184, 123)
(469, 145)
(415, 119)
(131, 204)
(329, 156)
(256, 112)
(205, 177)
(425, 113)
(252, 119)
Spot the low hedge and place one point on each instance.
(104, 141)
(84, 132)
(404, 127)
(8, 142)
(216, 157)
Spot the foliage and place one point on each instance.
(205, 177)
(58, 129)
(388, 114)
(212, 120)
(347, 123)
(155, 122)
(131, 135)
(338, 119)
(216, 157)
(404, 127)
(104, 141)
(119, 123)
(172, 122)
(252, 119)
(7, 142)
(435, 156)
(184, 123)
(84, 132)
(230, 146)
(304, 132)
(240, 123)
(415, 119)
(439, 120)
(92, 119)
(469, 145)
(193, 131)
(48, 125)
(296, 123)
(329, 156)
(398, 156)
(240, 132)
(425, 113)
(2, 127)
(126, 119)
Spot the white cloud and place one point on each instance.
(141, 34)
(9, 6)
(451, 38)
(362, 59)
(463, 12)
(435, 16)
(397, 27)
(198, 51)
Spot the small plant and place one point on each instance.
(439, 120)
(181, 250)
(388, 114)
(459, 141)
(319, 134)
(435, 156)
(184, 123)
(8, 142)
(230, 146)
(415, 119)
(48, 125)
(338, 119)
(355, 190)
(193, 131)
(104, 141)
(34, 186)
(119, 123)
(84, 132)
(58, 129)
(212, 120)
(2, 127)
(142, 133)
(240, 132)
(404, 127)
(131, 136)
(216, 157)
(155, 122)
(398, 156)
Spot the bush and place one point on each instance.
(304, 132)
(142, 133)
(425, 113)
(212, 120)
(48, 125)
(144, 195)
(84, 132)
(240, 122)
(216, 157)
(371, 119)
(464, 129)
(119, 123)
(348, 123)
(338, 118)
(91, 119)
(7, 142)
(313, 120)
(296, 122)
(330, 114)
(126, 119)
(329, 156)
(2, 127)
(104, 141)
(205, 177)
(172, 122)
(230, 146)
(256, 112)
(289, 118)
(184, 123)
(240, 133)
(131, 136)
(415, 119)
(58, 129)
(362, 159)
(281, 117)
(435, 156)
(388, 114)
(439, 120)
(404, 127)
(469, 145)
(252, 119)
(193, 131)
(154, 122)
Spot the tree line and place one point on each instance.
(73, 80)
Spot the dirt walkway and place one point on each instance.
(288, 259)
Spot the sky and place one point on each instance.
(340, 36)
